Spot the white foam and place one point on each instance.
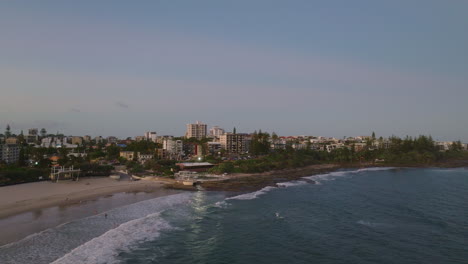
(104, 249)
(336, 174)
(53, 243)
(375, 169)
(221, 204)
(291, 183)
(252, 195)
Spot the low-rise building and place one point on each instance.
(11, 141)
(332, 147)
(129, 155)
(77, 140)
(195, 166)
(144, 157)
(443, 145)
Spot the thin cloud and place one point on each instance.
(75, 110)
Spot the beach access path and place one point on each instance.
(26, 197)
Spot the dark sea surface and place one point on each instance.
(376, 215)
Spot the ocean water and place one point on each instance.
(375, 215)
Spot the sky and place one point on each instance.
(329, 68)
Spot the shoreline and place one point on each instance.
(247, 182)
(28, 197)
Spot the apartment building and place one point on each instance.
(9, 153)
(197, 130)
(234, 143)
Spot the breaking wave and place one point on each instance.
(290, 184)
(97, 233)
(252, 195)
(336, 174)
(105, 248)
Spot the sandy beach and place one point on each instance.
(38, 195)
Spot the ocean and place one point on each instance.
(374, 215)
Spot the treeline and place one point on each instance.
(15, 175)
(395, 151)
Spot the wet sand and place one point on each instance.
(30, 208)
(38, 195)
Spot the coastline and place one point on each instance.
(247, 182)
(27, 197)
(20, 205)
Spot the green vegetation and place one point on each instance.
(14, 175)
(260, 143)
(420, 151)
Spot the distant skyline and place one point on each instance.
(329, 68)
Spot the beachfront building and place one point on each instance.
(197, 130)
(444, 145)
(9, 153)
(173, 148)
(234, 143)
(195, 166)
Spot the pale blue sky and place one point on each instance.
(336, 68)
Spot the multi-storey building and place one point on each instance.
(151, 136)
(173, 146)
(197, 130)
(216, 131)
(234, 143)
(33, 135)
(9, 153)
(214, 148)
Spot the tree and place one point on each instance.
(373, 135)
(8, 131)
(274, 137)
(234, 130)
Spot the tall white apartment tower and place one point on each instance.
(197, 130)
